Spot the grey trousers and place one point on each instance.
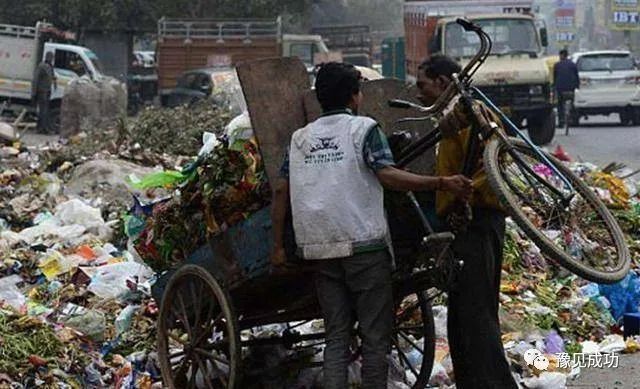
(349, 289)
(473, 325)
(42, 100)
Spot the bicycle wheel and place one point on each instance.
(582, 235)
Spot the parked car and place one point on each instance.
(609, 83)
(219, 85)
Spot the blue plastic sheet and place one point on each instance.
(624, 296)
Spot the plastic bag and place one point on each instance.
(10, 294)
(124, 319)
(209, 142)
(590, 290)
(163, 179)
(554, 344)
(623, 296)
(53, 264)
(110, 281)
(546, 380)
(92, 323)
(75, 211)
(612, 344)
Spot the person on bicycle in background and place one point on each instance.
(333, 178)
(566, 80)
(473, 324)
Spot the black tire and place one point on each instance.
(194, 301)
(626, 117)
(636, 116)
(508, 198)
(426, 331)
(542, 129)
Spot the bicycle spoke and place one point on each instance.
(584, 233)
(404, 358)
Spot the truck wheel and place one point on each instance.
(626, 117)
(542, 129)
(636, 116)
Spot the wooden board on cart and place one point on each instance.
(274, 90)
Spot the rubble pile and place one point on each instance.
(77, 261)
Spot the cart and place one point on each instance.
(216, 330)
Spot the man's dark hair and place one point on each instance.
(564, 53)
(439, 65)
(336, 83)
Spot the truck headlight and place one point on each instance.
(535, 90)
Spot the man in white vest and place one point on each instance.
(333, 178)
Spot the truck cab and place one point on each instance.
(70, 62)
(304, 47)
(23, 48)
(515, 76)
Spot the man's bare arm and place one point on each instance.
(400, 180)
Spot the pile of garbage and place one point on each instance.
(77, 259)
(222, 187)
(89, 103)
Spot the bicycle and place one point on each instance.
(550, 203)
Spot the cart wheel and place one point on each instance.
(414, 338)
(198, 338)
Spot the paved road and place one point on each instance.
(601, 140)
(625, 376)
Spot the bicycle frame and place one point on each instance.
(507, 122)
(461, 85)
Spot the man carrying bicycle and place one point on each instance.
(473, 323)
(566, 80)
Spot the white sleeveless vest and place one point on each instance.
(336, 199)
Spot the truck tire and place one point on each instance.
(542, 129)
(626, 117)
(636, 116)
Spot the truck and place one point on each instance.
(188, 44)
(515, 76)
(22, 48)
(353, 41)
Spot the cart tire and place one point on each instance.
(198, 336)
(426, 332)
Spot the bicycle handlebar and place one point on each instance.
(464, 77)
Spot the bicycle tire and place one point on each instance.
(547, 246)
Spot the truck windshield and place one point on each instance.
(509, 36)
(94, 60)
(605, 62)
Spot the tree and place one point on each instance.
(142, 15)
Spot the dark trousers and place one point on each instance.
(349, 289)
(473, 325)
(42, 100)
(562, 98)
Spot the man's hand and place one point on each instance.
(278, 257)
(459, 185)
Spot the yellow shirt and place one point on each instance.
(449, 161)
